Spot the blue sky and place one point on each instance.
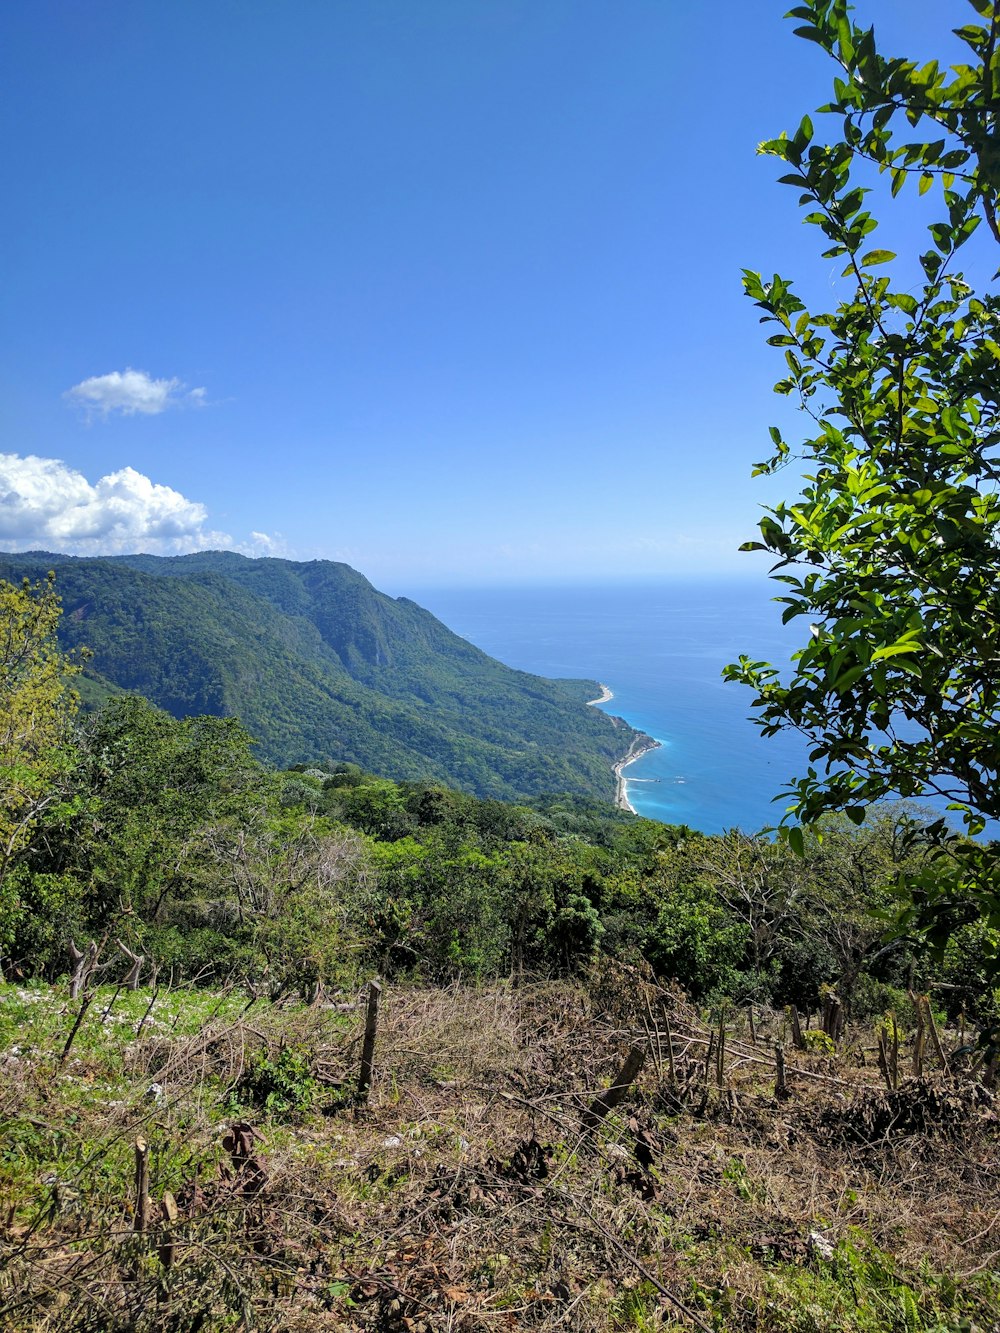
(447, 289)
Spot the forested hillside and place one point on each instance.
(672, 1057)
(171, 835)
(320, 665)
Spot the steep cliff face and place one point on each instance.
(320, 665)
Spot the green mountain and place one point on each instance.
(321, 666)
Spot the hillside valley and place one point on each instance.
(320, 666)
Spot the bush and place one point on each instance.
(695, 942)
(282, 1085)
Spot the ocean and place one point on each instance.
(660, 649)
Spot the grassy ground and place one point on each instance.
(467, 1195)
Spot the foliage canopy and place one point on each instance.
(36, 712)
(892, 550)
(319, 665)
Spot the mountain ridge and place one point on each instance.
(320, 665)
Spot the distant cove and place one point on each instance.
(660, 650)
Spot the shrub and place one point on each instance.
(283, 1084)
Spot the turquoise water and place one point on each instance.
(661, 650)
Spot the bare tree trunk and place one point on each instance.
(137, 960)
(84, 965)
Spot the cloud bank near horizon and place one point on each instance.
(45, 504)
(130, 393)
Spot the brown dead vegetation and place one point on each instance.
(473, 1191)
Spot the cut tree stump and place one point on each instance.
(607, 1101)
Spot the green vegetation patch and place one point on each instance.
(468, 1188)
(319, 665)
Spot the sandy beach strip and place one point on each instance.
(640, 746)
(604, 697)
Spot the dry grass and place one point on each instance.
(467, 1195)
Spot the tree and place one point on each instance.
(155, 783)
(277, 884)
(892, 551)
(36, 718)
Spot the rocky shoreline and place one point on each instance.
(640, 746)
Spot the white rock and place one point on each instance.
(819, 1244)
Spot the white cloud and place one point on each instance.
(264, 543)
(131, 393)
(44, 504)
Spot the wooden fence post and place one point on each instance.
(883, 1061)
(798, 1040)
(671, 1067)
(141, 1185)
(607, 1101)
(720, 1052)
(168, 1216)
(935, 1035)
(709, 1053)
(894, 1053)
(780, 1086)
(833, 1017)
(368, 1048)
(920, 1036)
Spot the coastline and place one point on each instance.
(640, 746)
(604, 697)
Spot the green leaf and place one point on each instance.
(847, 678)
(890, 552)
(896, 650)
(811, 35)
